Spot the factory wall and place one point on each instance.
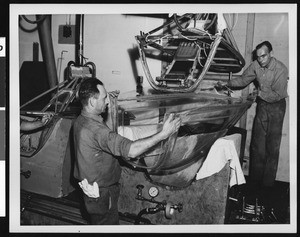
(27, 36)
(109, 42)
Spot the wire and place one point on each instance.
(199, 55)
(189, 38)
(156, 40)
(212, 21)
(34, 22)
(68, 19)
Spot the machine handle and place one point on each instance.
(26, 174)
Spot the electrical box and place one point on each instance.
(66, 34)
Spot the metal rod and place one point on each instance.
(164, 25)
(44, 93)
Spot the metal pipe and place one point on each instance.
(79, 40)
(248, 57)
(44, 30)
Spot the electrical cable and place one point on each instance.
(34, 22)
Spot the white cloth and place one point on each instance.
(89, 190)
(137, 132)
(225, 149)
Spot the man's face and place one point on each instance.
(102, 101)
(263, 56)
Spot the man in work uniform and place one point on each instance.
(272, 78)
(97, 149)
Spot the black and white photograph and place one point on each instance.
(2, 125)
(152, 118)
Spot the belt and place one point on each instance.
(116, 183)
(259, 99)
(113, 184)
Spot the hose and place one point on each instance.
(34, 22)
(145, 211)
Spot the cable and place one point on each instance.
(177, 22)
(34, 22)
(212, 21)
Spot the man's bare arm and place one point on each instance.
(138, 147)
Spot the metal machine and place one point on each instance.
(47, 154)
(189, 46)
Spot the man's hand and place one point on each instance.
(114, 94)
(221, 85)
(171, 125)
(139, 146)
(46, 118)
(90, 190)
(111, 109)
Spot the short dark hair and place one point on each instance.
(88, 89)
(265, 43)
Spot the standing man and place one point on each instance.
(97, 150)
(272, 78)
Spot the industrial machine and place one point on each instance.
(47, 154)
(189, 46)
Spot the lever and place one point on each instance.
(26, 174)
(140, 189)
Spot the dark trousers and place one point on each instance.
(265, 142)
(104, 210)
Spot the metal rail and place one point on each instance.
(64, 209)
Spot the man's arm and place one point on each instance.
(31, 125)
(245, 79)
(140, 146)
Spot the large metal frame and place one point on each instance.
(188, 53)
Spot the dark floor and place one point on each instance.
(261, 206)
(272, 204)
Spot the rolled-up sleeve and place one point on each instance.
(113, 143)
(246, 78)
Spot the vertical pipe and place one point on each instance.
(248, 58)
(35, 52)
(44, 30)
(79, 40)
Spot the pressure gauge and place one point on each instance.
(153, 192)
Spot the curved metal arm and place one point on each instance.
(192, 88)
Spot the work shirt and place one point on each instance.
(272, 80)
(96, 148)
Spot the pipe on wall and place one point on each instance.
(44, 30)
(79, 40)
(248, 58)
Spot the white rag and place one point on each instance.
(223, 150)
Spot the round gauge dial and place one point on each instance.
(153, 191)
